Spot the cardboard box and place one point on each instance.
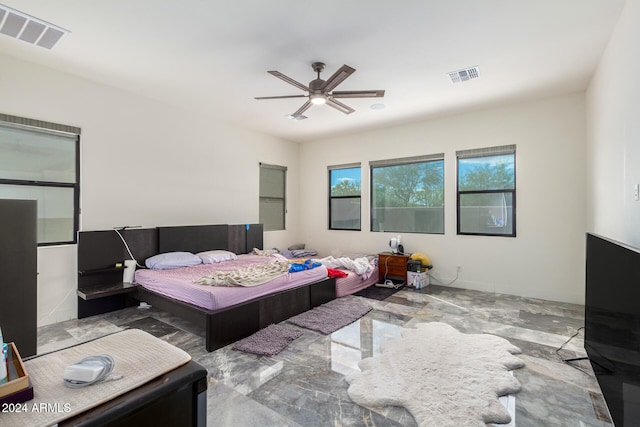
(417, 280)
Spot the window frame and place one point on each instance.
(330, 169)
(438, 157)
(71, 132)
(480, 153)
(283, 198)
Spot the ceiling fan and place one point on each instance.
(321, 91)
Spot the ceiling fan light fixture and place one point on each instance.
(321, 91)
(318, 98)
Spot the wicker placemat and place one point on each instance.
(139, 357)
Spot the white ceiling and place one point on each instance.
(212, 56)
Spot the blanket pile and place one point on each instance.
(361, 266)
(253, 275)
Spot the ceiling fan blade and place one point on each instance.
(337, 78)
(358, 94)
(302, 109)
(289, 80)
(280, 97)
(339, 106)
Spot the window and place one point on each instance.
(272, 196)
(487, 191)
(407, 195)
(344, 197)
(40, 161)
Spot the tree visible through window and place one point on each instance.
(407, 195)
(486, 191)
(344, 197)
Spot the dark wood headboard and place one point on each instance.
(240, 238)
(101, 256)
(103, 249)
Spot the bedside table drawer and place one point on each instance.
(396, 270)
(393, 262)
(392, 266)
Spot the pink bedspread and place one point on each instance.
(354, 283)
(178, 283)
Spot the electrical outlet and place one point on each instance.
(636, 192)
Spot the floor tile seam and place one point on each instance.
(509, 331)
(404, 310)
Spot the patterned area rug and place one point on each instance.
(268, 341)
(332, 316)
(441, 376)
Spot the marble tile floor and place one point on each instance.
(305, 384)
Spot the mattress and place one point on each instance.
(354, 283)
(179, 283)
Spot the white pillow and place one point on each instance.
(169, 260)
(211, 257)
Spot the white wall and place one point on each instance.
(143, 163)
(545, 260)
(613, 133)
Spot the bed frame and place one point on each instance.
(100, 254)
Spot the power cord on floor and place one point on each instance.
(568, 361)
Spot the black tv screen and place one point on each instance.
(612, 325)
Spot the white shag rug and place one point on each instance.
(441, 376)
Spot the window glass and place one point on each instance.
(38, 161)
(272, 197)
(32, 156)
(345, 182)
(487, 173)
(55, 210)
(486, 213)
(486, 194)
(408, 197)
(344, 199)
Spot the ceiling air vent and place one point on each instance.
(464, 74)
(19, 25)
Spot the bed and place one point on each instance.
(181, 283)
(226, 319)
(357, 272)
(354, 283)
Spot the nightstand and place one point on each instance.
(392, 267)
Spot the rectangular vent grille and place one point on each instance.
(19, 25)
(464, 75)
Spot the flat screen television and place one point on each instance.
(612, 325)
